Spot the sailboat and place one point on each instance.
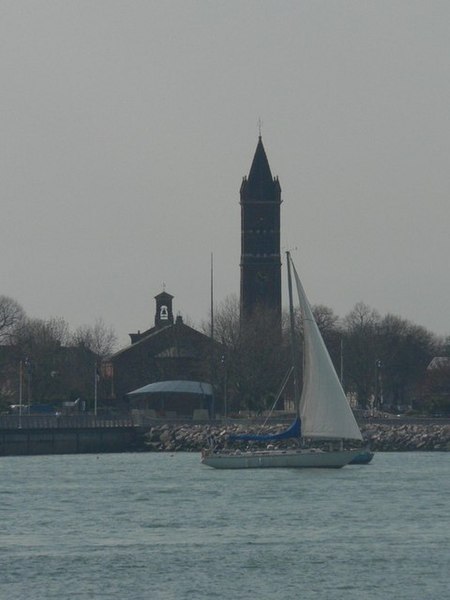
(322, 410)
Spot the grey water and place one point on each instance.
(162, 526)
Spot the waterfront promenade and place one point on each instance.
(76, 434)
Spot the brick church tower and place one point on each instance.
(260, 239)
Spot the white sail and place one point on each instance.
(324, 408)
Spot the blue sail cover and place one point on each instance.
(292, 432)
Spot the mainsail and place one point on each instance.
(324, 408)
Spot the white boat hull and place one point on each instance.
(276, 459)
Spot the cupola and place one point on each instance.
(164, 313)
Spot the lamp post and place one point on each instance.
(28, 367)
(225, 384)
(20, 392)
(96, 378)
(378, 397)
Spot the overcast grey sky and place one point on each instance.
(126, 127)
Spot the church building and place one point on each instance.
(170, 350)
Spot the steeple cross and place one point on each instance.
(260, 124)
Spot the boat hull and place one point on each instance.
(363, 458)
(276, 459)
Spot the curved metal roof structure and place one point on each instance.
(174, 387)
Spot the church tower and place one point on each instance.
(260, 239)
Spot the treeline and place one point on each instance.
(46, 358)
(383, 361)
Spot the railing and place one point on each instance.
(61, 421)
(141, 419)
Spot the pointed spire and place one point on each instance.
(260, 170)
(260, 185)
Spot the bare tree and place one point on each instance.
(405, 351)
(100, 338)
(385, 358)
(325, 318)
(331, 331)
(361, 317)
(11, 316)
(226, 322)
(39, 345)
(253, 360)
(361, 351)
(41, 334)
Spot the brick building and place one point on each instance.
(170, 350)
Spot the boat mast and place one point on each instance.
(294, 357)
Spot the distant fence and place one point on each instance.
(147, 419)
(62, 422)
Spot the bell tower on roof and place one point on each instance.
(260, 239)
(164, 313)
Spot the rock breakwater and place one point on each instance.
(391, 438)
(382, 437)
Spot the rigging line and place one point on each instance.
(283, 385)
(292, 331)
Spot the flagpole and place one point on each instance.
(212, 295)
(212, 361)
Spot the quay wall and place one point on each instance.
(67, 440)
(31, 437)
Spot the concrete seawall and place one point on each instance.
(95, 437)
(78, 440)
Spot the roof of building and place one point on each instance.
(164, 294)
(439, 362)
(174, 387)
(182, 350)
